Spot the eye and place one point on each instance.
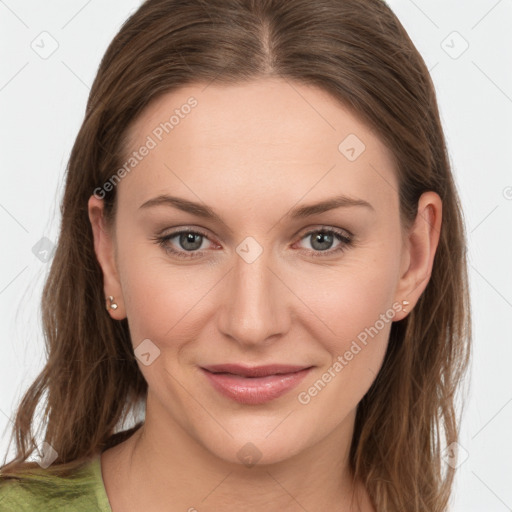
(321, 241)
(190, 243)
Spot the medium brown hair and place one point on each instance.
(357, 51)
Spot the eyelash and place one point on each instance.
(346, 242)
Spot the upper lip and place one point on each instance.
(254, 371)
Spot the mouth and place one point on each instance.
(254, 385)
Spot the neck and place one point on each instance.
(163, 464)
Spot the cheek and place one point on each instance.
(353, 336)
(351, 298)
(353, 315)
(162, 300)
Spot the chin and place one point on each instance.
(262, 446)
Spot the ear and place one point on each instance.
(421, 244)
(104, 248)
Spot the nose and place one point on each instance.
(256, 304)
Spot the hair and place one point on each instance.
(358, 52)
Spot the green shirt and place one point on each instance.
(83, 493)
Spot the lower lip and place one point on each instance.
(254, 390)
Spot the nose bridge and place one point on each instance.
(255, 305)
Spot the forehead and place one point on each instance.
(258, 138)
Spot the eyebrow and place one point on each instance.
(301, 212)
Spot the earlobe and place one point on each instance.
(422, 241)
(110, 303)
(105, 254)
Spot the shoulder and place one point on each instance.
(44, 491)
(28, 494)
(17, 496)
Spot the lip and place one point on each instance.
(254, 385)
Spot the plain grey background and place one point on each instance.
(50, 53)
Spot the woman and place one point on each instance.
(262, 249)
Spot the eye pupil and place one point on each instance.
(321, 238)
(190, 238)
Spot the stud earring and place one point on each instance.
(110, 304)
(405, 303)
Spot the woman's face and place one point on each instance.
(222, 258)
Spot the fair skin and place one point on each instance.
(253, 152)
